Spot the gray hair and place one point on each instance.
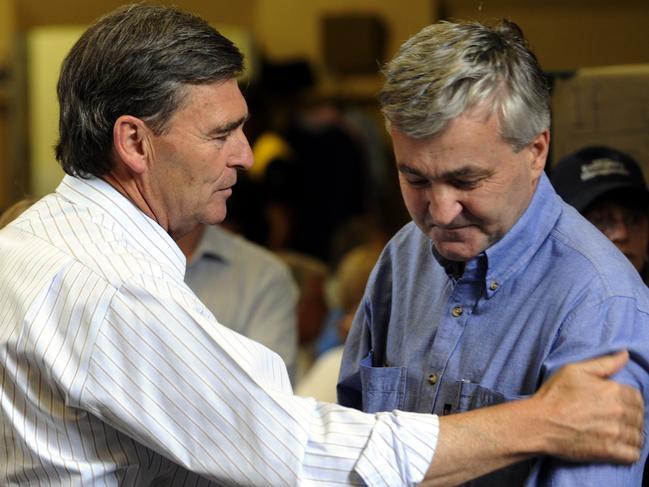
(449, 68)
(137, 60)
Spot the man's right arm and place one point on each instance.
(577, 415)
(219, 405)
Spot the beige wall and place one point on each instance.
(7, 29)
(290, 28)
(571, 34)
(46, 48)
(34, 13)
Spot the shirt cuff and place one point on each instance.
(399, 450)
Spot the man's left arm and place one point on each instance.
(594, 329)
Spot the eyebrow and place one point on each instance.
(405, 169)
(461, 172)
(222, 129)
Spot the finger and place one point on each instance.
(630, 426)
(618, 444)
(631, 398)
(623, 454)
(623, 401)
(606, 365)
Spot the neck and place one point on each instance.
(188, 243)
(132, 191)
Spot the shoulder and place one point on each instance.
(245, 255)
(409, 244)
(406, 262)
(585, 258)
(409, 248)
(92, 240)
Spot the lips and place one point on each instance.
(228, 186)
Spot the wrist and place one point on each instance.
(529, 428)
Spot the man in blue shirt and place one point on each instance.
(497, 282)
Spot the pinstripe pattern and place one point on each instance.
(114, 374)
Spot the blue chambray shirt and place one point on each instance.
(553, 290)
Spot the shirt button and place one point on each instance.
(494, 285)
(432, 379)
(457, 311)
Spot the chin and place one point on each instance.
(214, 217)
(456, 251)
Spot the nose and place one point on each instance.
(242, 153)
(443, 205)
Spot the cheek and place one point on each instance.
(215, 168)
(415, 201)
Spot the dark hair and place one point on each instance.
(134, 61)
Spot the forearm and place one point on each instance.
(475, 443)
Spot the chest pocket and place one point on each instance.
(384, 388)
(472, 396)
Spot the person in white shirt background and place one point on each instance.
(248, 288)
(115, 373)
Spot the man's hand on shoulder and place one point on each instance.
(591, 418)
(579, 414)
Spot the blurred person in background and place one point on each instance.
(607, 186)
(357, 232)
(350, 280)
(311, 275)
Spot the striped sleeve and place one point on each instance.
(219, 404)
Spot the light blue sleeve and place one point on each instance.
(593, 329)
(357, 347)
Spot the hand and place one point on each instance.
(578, 414)
(590, 417)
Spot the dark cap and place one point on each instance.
(589, 173)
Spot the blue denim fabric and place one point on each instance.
(384, 388)
(553, 290)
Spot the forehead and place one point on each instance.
(470, 140)
(212, 104)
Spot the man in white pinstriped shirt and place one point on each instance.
(114, 373)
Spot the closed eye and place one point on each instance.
(411, 177)
(222, 138)
(465, 184)
(416, 182)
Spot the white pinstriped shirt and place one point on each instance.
(112, 372)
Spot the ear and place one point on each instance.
(130, 142)
(539, 152)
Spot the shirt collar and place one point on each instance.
(138, 229)
(453, 268)
(517, 247)
(215, 243)
(512, 252)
